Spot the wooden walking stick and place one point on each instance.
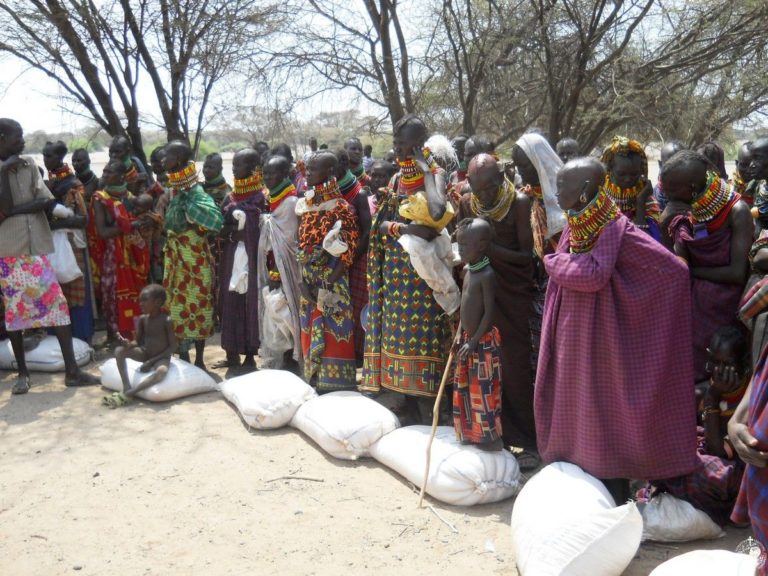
(435, 417)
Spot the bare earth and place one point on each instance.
(185, 488)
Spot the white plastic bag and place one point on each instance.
(46, 356)
(670, 519)
(332, 243)
(277, 327)
(63, 259)
(238, 282)
(183, 379)
(458, 474)
(708, 563)
(268, 398)
(565, 522)
(345, 424)
(433, 261)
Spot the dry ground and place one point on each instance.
(186, 489)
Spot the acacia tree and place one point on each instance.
(99, 54)
(362, 46)
(589, 68)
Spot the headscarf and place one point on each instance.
(621, 145)
(547, 164)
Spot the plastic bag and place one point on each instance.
(332, 243)
(670, 519)
(238, 282)
(277, 328)
(63, 259)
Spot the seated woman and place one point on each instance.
(714, 484)
(628, 186)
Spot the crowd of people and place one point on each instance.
(583, 313)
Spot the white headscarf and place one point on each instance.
(547, 164)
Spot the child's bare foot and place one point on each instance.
(21, 386)
(200, 363)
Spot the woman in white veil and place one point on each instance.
(538, 164)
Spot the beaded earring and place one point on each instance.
(583, 198)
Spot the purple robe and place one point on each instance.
(240, 312)
(714, 304)
(614, 386)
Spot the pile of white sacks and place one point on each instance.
(564, 521)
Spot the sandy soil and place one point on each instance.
(186, 488)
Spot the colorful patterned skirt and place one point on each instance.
(477, 391)
(408, 335)
(188, 280)
(31, 294)
(327, 337)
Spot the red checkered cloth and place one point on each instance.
(614, 387)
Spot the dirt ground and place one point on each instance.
(185, 488)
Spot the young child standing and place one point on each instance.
(477, 378)
(154, 345)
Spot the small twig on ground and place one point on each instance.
(443, 520)
(307, 478)
(457, 552)
(404, 530)
(39, 537)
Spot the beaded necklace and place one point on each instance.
(247, 187)
(411, 176)
(587, 224)
(349, 186)
(710, 203)
(480, 264)
(505, 196)
(280, 193)
(217, 181)
(361, 175)
(325, 192)
(624, 198)
(60, 173)
(185, 178)
(116, 190)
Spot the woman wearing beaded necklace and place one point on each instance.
(408, 334)
(188, 277)
(628, 186)
(710, 228)
(118, 262)
(614, 391)
(239, 313)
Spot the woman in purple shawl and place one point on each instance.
(710, 228)
(614, 391)
(239, 313)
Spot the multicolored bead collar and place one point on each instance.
(247, 187)
(587, 224)
(185, 178)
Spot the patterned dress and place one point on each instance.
(123, 264)
(188, 277)
(408, 335)
(477, 391)
(327, 334)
